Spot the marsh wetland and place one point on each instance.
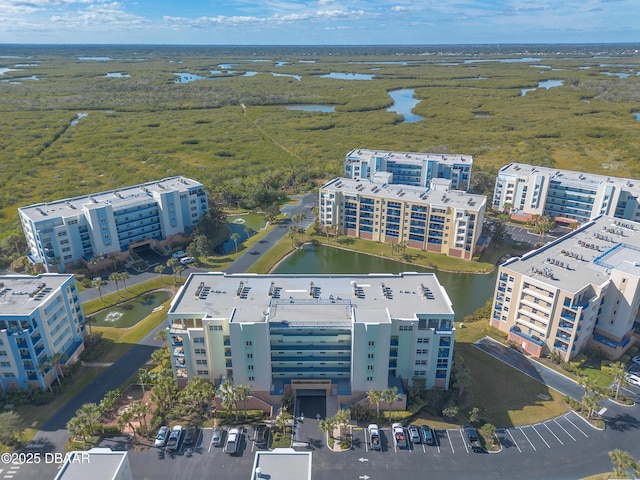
(142, 125)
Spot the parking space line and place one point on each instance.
(463, 441)
(437, 439)
(525, 436)
(514, 440)
(424, 450)
(535, 430)
(551, 431)
(576, 426)
(450, 441)
(565, 430)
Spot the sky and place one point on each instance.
(319, 22)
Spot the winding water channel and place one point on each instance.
(467, 291)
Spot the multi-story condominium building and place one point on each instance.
(63, 233)
(410, 168)
(566, 196)
(345, 334)
(437, 220)
(40, 317)
(582, 290)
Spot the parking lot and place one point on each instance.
(568, 428)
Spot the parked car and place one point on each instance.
(262, 436)
(173, 442)
(161, 438)
(187, 260)
(472, 437)
(233, 441)
(374, 437)
(427, 435)
(636, 360)
(633, 379)
(218, 437)
(190, 435)
(178, 254)
(414, 433)
(398, 435)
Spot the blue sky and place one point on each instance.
(329, 22)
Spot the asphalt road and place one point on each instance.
(305, 206)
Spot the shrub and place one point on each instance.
(345, 445)
(625, 359)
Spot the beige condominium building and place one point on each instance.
(582, 290)
(437, 219)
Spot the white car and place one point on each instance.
(178, 254)
(174, 437)
(186, 260)
(636, 360)
(633, 379)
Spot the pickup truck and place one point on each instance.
(374, 437)
(398, 435)
(233, 440)
(472, 436)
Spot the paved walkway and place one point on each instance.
(530, 367)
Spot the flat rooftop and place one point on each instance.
(401, 193)
(282, 464)
(96, 464)
(310, 299)
(22, 294)
(410, 157)
(571, 177)
(120, 198)
(586, 256)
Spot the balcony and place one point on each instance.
(178, 352)
(516, 331)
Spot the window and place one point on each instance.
(405, 328)
(370, 356)
(252, 379)
(420, 373)
(200, 351)
(422, 352)
(249, 367)
(3, 353)
(423, 340)
(198, 340)
(5, 364)
(421, 362)
(370, 367)
(249, 343)
(215, 327)
(369, 379)
(372, 343)
(249, 355)
(201, 362)
(203, 372)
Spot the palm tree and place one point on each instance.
(160, 269)
(98, 283)
(282, 420)
(43, 368)
(145, 377)
(76, 428)
(591, 402)
(588, 383)
(621, 460)
(127, 419)
(229, 396)
(462, 379)
(235, 237)
(179, 269)
(172, 263)
(56, 359)
(162, 336)
(376, 397)
(243, 393)
(328, 425)
(342, 418)
(89, 321)
(293, 232)
(140, 410)
(123, 277)
(115, 277)
(89, 414)
(619, 373)
(391, 395)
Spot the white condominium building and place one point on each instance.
(346, 334)
(60, 234)
(568, 197)
(410, 168)
(582, 290)
(41, 318)
(438, 220)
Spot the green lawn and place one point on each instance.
(508, 396)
